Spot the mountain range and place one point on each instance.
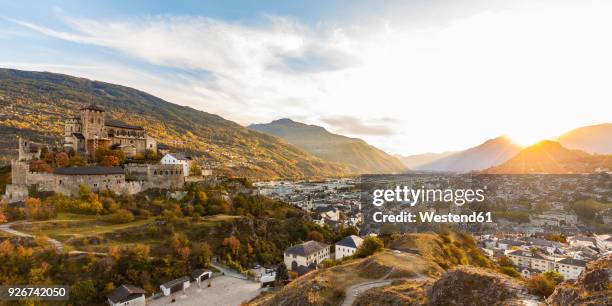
(35, 105)
(549, 156)
(595, 139)
(332, 147)
(490, 153)
(591, 139)
(415, 161)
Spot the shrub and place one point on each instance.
(541, 284)
(120, 216)
(510, 271)
(369, 246)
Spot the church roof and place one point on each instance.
(119, 124)
(89, 170)
(93, 106)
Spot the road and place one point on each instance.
(227, 271)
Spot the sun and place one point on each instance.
(526, 138)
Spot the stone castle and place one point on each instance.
(91, 130)
(84, 135)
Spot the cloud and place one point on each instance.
(354, 126)
(438, 76)
(245, 66)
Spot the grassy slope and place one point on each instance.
(34, 105)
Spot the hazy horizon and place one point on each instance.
(408, 77)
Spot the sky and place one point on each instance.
(406, 76)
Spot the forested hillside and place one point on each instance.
(35, 105)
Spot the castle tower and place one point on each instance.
(92, 122)
(28, 150)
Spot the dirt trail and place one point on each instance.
(59, 247)
(351, 293)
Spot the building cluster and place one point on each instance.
(537, 255)
(332, 201)
(83, 136)
(307, 256)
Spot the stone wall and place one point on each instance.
(156, 175)
(18, 172)
(70, 184)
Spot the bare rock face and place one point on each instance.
(467, 285)
(593, 287)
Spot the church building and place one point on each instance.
(91, 130)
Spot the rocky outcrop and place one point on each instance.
(468, 285)
(593, 287)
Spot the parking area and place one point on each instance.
(224, 290)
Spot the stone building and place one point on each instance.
(67, 181)
(130, 179)
(91, 130)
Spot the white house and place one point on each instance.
(347, 246)
(127, 295)
(534, 261)
(200, 275)
(570, 268)
(175, 285)
(306, 256)
(177, 159)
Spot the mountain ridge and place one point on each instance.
(487, 154)
(592, 138)
(548, 156)
(332, 147)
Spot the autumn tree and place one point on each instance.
(194, 169)
(201, 254)
(316, 236)
(40, 166)
(62, 160)
(180, 245)
(77, 161)
(233, 244)
(150, 155)
(109, 161)
(3, 218)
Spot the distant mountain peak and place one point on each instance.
(549, 156)
(593, 138)
(283, 121)
(487, 154)
(332, 147)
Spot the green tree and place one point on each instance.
(369, 246)
(77, 161)
(316, 236)
(282, 275)
(84, 191)
(83, 293)
(194, 169)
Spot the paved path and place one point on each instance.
(228, 271)
(224, 291)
